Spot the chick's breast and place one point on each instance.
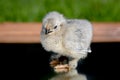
(52, 43)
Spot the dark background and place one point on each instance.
(31, 62)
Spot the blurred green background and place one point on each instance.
(34, 10)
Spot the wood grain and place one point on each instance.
(30, 32)
(106, 32)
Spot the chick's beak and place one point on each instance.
(47, 31)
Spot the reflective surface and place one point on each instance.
(31, 62)
(71, 75)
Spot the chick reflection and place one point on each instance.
(70, 75)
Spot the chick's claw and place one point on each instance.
(54, 63)
(60, 65)
(61, 68)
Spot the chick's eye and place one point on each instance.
(55, 27)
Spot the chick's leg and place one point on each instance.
(55, 56)
(54, 60)
(73, 63)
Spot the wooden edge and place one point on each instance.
(106, 32)
(30, 32)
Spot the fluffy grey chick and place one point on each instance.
(68, 37)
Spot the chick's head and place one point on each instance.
(52, 23)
